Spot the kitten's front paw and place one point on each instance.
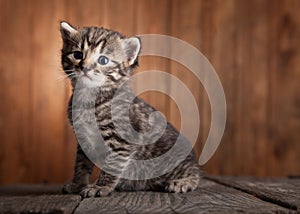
(182, 185)
(95, 191)
(72, 188)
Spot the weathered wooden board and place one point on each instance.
(127, 202)
(284, 192)
(214, 198)
(39, 204)
(223, 195)
(210, 197)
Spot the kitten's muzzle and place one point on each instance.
(87, 69)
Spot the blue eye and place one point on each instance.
(78, 55)
(103, 60)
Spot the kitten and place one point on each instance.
(102, 60)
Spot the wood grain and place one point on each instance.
(208, 198)
(48, 94)
(284, 108)
(252, 54)
(180, 25)
(120, 20)
(39, 204)
(127, 202)
(282, 191)
(16, 92)
(218, 26)
(214, 198)
(252, 86)
(150, 19)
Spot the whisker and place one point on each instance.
(69, 70)
(67, 76)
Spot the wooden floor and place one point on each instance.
(214, 195)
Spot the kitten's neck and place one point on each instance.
(89, 97)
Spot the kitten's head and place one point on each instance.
(97, 56)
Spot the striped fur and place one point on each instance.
(92, 43)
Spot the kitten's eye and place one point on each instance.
(103, 60)
(78, 55)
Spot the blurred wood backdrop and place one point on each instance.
(253, 45)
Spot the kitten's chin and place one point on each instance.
(90, 82)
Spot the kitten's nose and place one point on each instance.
(85, 70)
(88, 68)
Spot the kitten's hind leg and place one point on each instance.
(83, 170)
(182, 185)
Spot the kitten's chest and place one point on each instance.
(103, 113)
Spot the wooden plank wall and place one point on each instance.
(253, 45)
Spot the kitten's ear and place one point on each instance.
(67, 30)
(132, 47)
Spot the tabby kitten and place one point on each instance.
(101, 60)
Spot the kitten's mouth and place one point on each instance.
(87, 76)
(89, 80)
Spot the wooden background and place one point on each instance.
(253, 45)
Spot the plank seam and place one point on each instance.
(75, 208)
(172, 209)
(256, 195)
